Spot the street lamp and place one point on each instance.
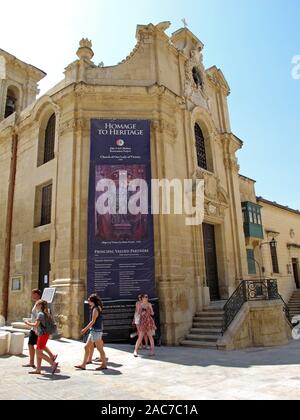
(272, 244)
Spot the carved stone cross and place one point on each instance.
(185, 23)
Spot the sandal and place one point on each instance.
(55, 366)
(35, 373)
(80, 368)
(101, 368)
(29, 366)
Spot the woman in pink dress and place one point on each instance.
(147, 325)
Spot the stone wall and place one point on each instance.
(258, 324)
(284, 226)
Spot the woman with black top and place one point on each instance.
(96, 332)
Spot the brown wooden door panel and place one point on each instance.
(296, 272)
(211, 261)
(44, 265)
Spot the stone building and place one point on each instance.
(273, 247)
(44, 167)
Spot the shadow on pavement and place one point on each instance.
(109, 372)
(269, 356)
(53, 378)
(9, 356)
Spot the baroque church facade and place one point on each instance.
(44, 168)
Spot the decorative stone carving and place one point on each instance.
(194, 69)
(231, 163)
(163, 26)
(156, 90)
(216, 198)
(212, 209)
(85, 43)
(73, 125)
(85, 51)
(181, 102)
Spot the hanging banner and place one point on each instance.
(120, 223)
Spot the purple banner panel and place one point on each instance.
(120, 242)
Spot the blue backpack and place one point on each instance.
(50, 326)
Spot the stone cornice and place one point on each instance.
(296, 246)
(279, 206)
(231, 143)
(36, 73)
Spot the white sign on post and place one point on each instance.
(48, 295)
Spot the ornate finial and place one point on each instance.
(85, 43)
(185, 23)
(85, 50)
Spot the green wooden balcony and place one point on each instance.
(253, 226)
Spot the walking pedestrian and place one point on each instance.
(137, 317)
(44, 326)
(33, 337)
(96, 333)
(136, 322)
(147, 325)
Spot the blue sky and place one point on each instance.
(253, 42)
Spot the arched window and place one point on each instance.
(197, 77)
(11, 102)
(49, 139)
(200, 148)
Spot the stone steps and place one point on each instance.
(209, 331)
(199, 344)
(210, 314)
(208, 319)
(207, 325)
(202, 338)
(207, 328)
(294, 305)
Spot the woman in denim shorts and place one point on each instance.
(96, 333)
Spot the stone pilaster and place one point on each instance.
(2, 98)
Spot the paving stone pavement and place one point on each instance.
(175, 373)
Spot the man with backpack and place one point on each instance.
(45, 327)
(33, 337)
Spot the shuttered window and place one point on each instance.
(46, 205)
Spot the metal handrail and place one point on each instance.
(249, 291)
(233, 306)
(286, 310)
